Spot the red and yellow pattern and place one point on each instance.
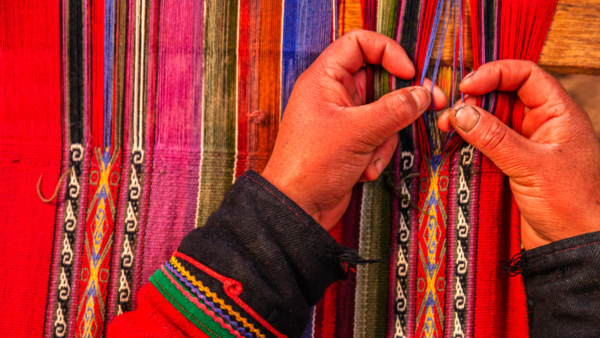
(99, 236)
(431, 261)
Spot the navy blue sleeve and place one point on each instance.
(562, 281)
(281, 257)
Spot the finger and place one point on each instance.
(444, 123)
(382, 156)
(360, 87)
(439, 97)
(470, 100)
(347, 54)
(375, 122)
(535, 87)
(510, 151)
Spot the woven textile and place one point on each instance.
(151, 109)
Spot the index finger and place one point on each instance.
(533, 85)
(348, 53)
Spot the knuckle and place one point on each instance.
(402, 106)
(531, 64)
(353, 33)
(493, 136)
(329, 69)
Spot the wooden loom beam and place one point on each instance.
(573, 43)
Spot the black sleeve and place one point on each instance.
(562, 280)
(283, 259)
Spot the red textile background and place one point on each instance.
(30, 145)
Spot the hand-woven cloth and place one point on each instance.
(153, 108)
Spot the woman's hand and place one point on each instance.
(554, 166)
(329, 139)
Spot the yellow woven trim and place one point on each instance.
(214, 297)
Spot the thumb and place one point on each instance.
(511, 152)
(392, 112)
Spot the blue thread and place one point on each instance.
(441, 45)
(109, 53)
(432, 35)
(461, 46)
(454, 55)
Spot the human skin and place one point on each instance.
(553, 165)
(329, 139)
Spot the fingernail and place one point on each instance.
(470, 75)
(466, 118)
(422, 97)
(378, 165)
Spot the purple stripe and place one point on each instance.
(453, 210)
(473, 227)
(414, 221)
(176, 162)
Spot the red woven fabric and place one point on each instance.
(30, 145)
(500, 304)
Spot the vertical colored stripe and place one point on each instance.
(372, 279)
(266, 117)
(349, 16)
(178, 121)
(66, 260)
(306, 33)
(259, 62)
(219, 105)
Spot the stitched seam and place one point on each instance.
(197, 295)
(282, 201)
(214, 297)
(184, 310)
(234, 297)
(201, 306)
(553, 253)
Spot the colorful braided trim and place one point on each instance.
(198, 314)
(233, 289)
(212, 300)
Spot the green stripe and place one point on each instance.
(219, 105)
(372, 293)
(186, 307)
(372, 279)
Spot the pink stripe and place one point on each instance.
(453, 209)
(470, 313)
(176, 159)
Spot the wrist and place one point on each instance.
(289, 186)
